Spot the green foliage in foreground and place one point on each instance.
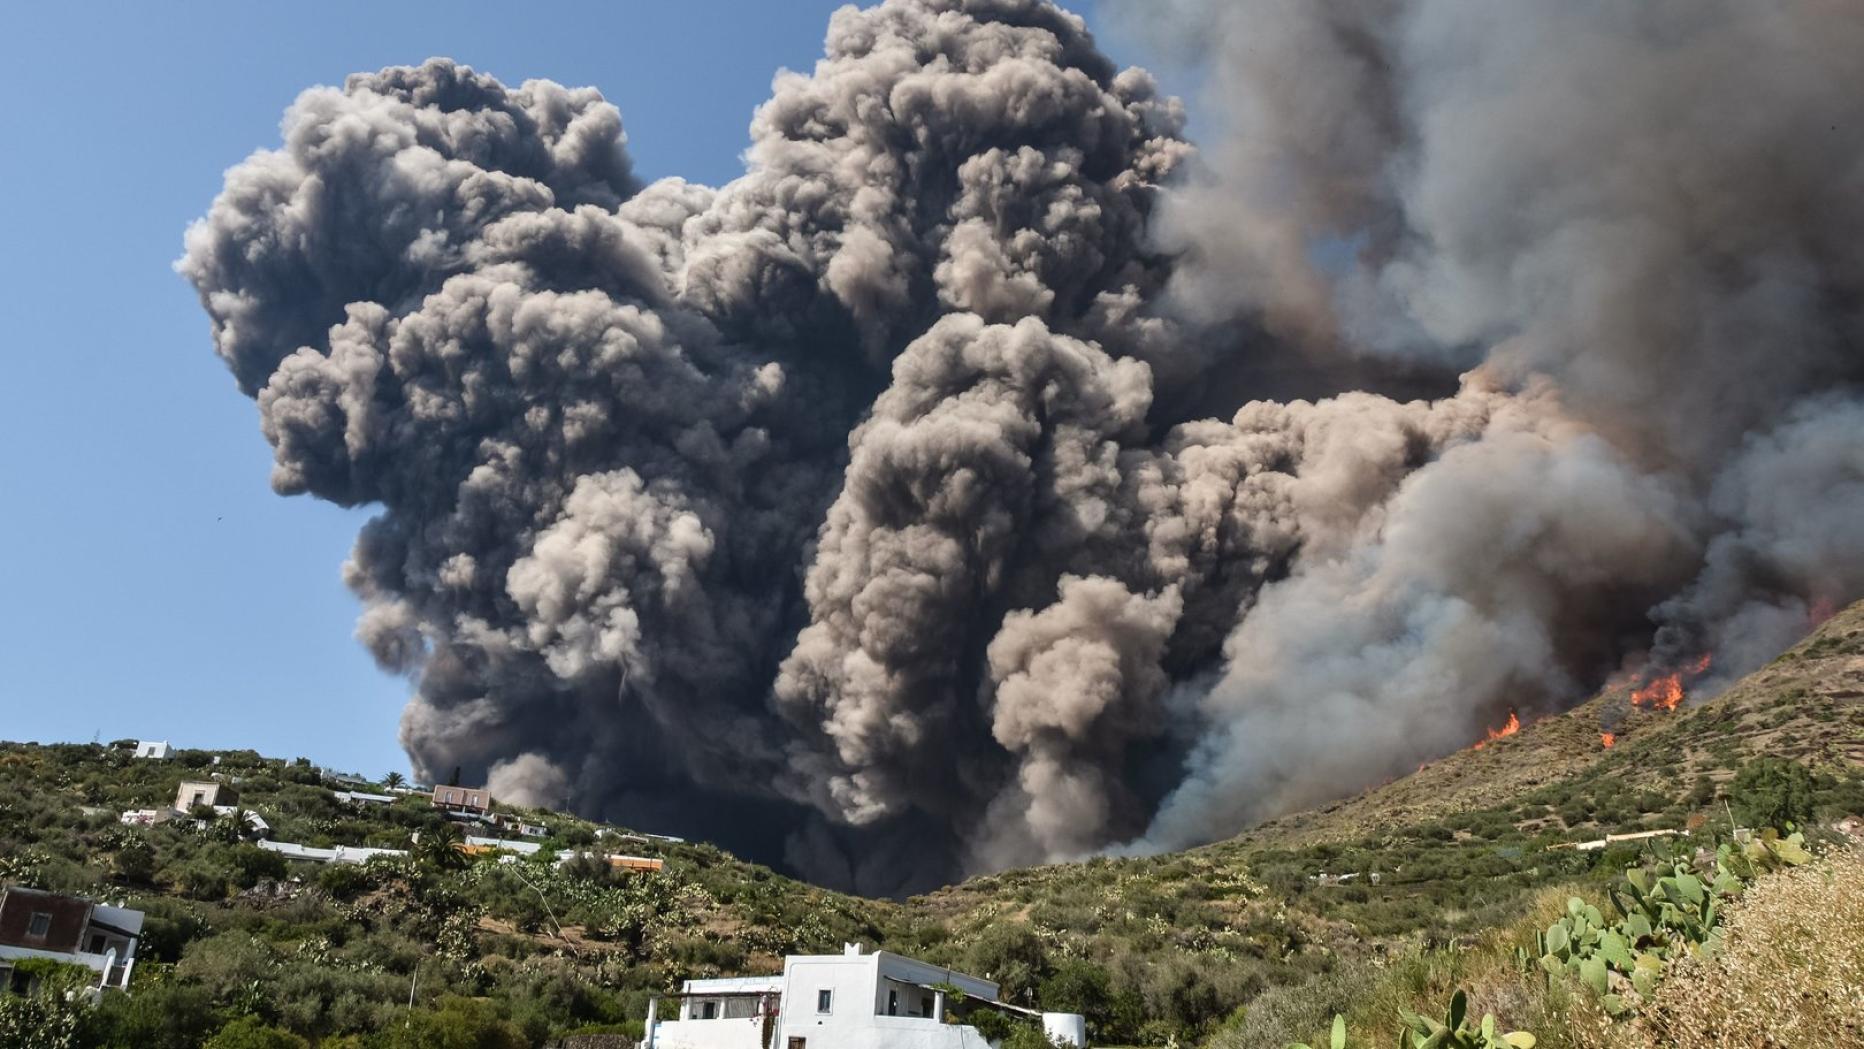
(1661, 919)
(1457, 1030)
(54, 1015)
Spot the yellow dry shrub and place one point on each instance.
(1791, 972)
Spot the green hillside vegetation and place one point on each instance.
(1236, 944)
(324, 951)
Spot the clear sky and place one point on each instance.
(152, 584)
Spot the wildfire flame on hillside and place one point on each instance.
(1512, 726)
(1606, 739)
(1667, 692)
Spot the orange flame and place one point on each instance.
(1667, 692)
(1664, 693)
(1513, 726)
(1606, 739)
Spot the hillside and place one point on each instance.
(1807, 705)
(325, 950)
(1460, 847)
(1241, 942)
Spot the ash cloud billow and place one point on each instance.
(987, 476)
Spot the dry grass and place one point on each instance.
(1790, 975)
(1791, 972)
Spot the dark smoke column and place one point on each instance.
(452, 301)
(603, 422)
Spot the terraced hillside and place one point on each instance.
(1807, 705)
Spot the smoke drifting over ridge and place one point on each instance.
(866, 500)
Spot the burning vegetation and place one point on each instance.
(1509, 728)
(1667, 692)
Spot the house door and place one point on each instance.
(799, 1043)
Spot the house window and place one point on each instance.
(39, 925)
(473, 800)
(925, 1006)
(708, 1010)
(824, 1001)
(893, 1002)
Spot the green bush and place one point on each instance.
(457, 1023)
(156, 1016)
(248, 1032)
(1772, 792)
(344, 880)
(41, 1021)
(1012, 955)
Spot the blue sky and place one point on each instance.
(153, 585)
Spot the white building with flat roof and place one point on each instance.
(36, 924)
(852, 1000)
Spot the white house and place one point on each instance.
(195, 793)
(145, 817)
(339, 854)
(851, 1000)
(361, 798)
(36, 924)
(156, 749)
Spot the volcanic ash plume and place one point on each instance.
(986, 471)
(1648, 214)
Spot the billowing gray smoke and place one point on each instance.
(985, 478)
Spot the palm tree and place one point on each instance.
(230, 828)
(393, 780)
(442, 848)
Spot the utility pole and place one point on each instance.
(409, 1022)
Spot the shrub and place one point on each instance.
(1076, 986)
(1027, 1036)
(251, 863)
(248, 1033)
(1772, 792)
(1788, 971)
(134, 862)
(1012, 955)
(457, 1023)
(345, 880)
(156, 1016)
(41, 1021)
(200, 880)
